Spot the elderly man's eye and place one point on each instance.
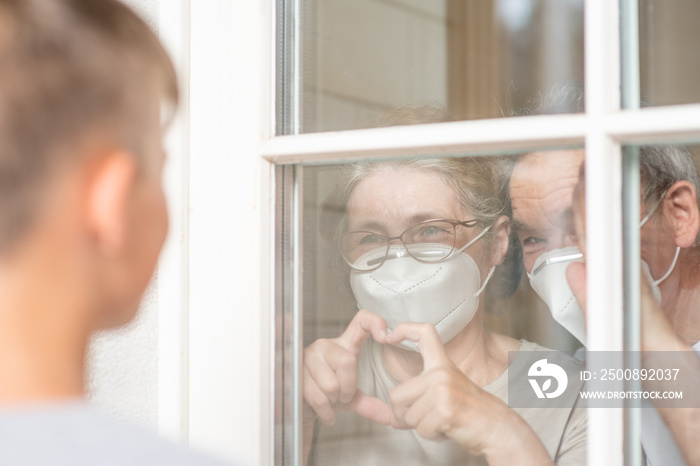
(532, 241)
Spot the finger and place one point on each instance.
(404, 396)
(424, 415)
(317, 368)
(433, 427)
(433, 415)
(317, 400)
(372, 408)
(344, 363)
(364, 324)
(413, 414)
(426, 336)
(576, 276)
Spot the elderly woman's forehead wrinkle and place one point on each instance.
(400, 198)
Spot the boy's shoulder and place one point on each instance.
(76, 434)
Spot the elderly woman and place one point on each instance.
(416, 378)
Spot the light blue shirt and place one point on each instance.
(73, 433)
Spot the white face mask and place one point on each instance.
(445, 294)
(548, 279)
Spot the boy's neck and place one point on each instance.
(44, 336)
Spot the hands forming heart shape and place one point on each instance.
(330, 379)
(439, 403)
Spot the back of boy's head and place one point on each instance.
(70, 70)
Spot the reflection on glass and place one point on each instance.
(480, 222)
(670, 256)
(669, 62)
(477, 58)
(669, 229)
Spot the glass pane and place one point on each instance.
(669, 230)
(473, 59)
(669, 62)
(499, 226)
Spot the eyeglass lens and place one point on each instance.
(416, 240)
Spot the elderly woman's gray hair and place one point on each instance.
(472, 179)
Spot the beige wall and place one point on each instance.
(368, 55)
(670, 62)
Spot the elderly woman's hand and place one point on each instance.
(443, 403)
(330, 373)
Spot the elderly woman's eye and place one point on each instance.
(370, 239)
(429, 233)
(433, 230)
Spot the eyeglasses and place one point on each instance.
(427, 241)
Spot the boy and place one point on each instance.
(82, 218)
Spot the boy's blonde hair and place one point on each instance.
(70, 69)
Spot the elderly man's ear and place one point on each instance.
(681, 202)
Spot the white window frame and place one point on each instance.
(217, 278)
(216, 270)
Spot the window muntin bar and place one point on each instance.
(665, 124)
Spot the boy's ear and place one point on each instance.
(109, 187)
(681, 200)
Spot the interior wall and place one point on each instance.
(365, 56)
(669, 63)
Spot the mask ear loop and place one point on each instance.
(483, 232)
(678, 248)
(670, 269)
(651, 212)
(488, 277)
(493, 267)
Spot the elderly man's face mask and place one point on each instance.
(548, 279)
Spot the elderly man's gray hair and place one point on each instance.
(660, 167)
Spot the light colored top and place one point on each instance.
(354, 440)
(73, 433)
(659, 446)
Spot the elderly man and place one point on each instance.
(542, 186)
